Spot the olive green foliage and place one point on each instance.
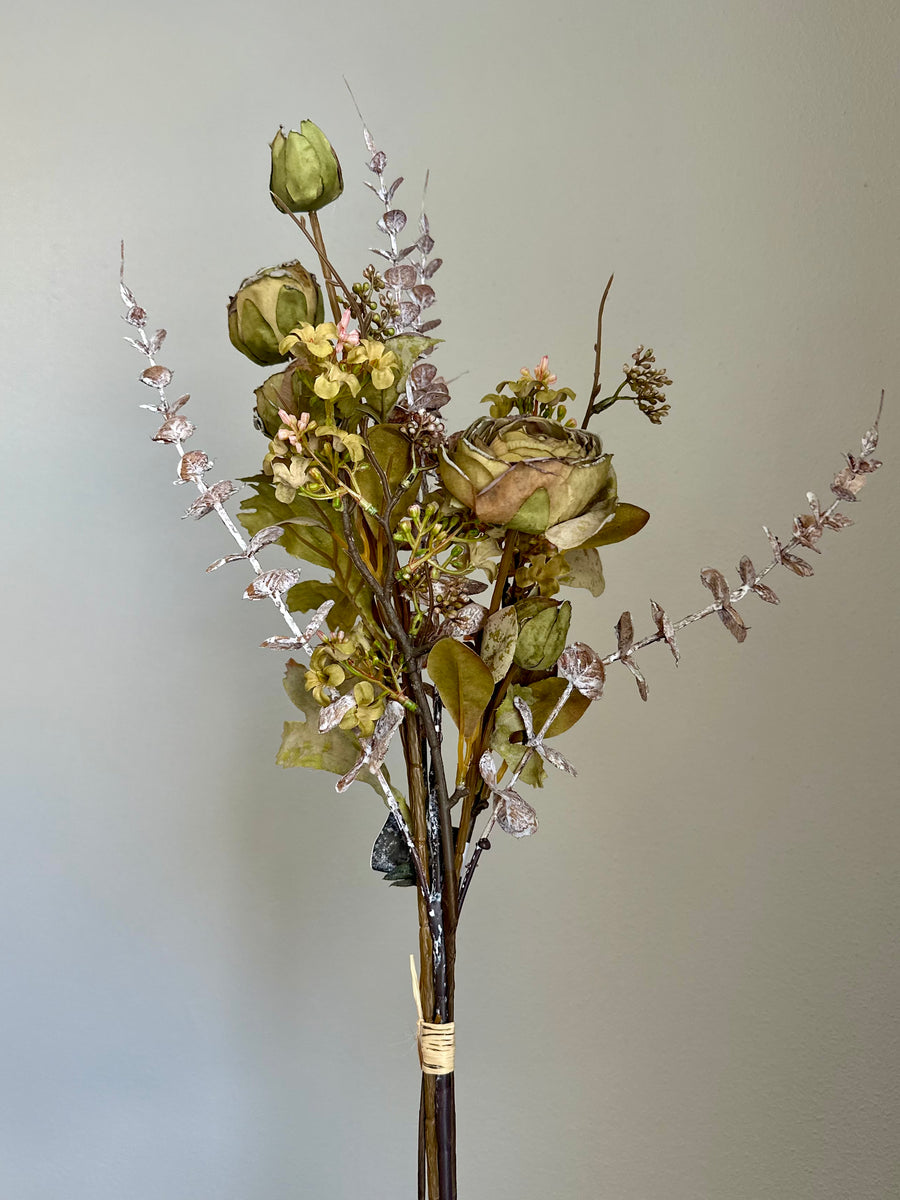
(439, 556)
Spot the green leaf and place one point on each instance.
(583, 570)
(498, 642)
(310, 593)
(546, 693)
(508, 723)
(627, 520)
(308, 524)
(303, 746)
(464, 683)
(311, 532)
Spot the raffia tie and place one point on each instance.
(436, 1042)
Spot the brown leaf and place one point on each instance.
(583, 668)
(156, 341)
(807, 531)
(837, 520)
(664, 627)
(385, 728)
(424, 294)
(464, 624)
(717, 584)
(733, 622)
(625, 632)
(434, 265)
(270, 584)
(747, 571)
(281, 642)
(642, 686)
(488, 770)
(798, 565)
(136, 316)
(265, 537)
(774, 543)
(765, 593)
(207, 501)
(194, 465)
(403, 276)
(156, 376)
(174, 429)
(332, 714)
(846, 484)
(393, 221)
(515, 816)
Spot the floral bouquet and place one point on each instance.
(434, 563)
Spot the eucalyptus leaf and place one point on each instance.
(464, 683)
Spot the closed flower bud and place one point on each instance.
(267, 306)
(543, 628)
(306, 174)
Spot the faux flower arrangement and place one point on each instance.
(432, 562)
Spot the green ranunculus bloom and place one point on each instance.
(306, 174)
(267, 306)
(533, 475)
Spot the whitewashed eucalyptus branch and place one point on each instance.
(270, 585)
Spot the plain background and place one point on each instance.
(685, 986)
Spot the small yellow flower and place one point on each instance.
(332, 379)
(381, 362)
(317, 339)
(367, 710)
(317, 680)
(290, 477)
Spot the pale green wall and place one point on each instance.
(685, 986)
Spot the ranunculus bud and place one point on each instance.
(543, 629)
(267, 306)
(533, 475)
(306, 174)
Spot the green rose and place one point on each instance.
(267, 306)
(533, 475)
(306, 174)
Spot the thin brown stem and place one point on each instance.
(327, 269)
(503, 571)
(595, 386)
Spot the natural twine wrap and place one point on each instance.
(437, 1043)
